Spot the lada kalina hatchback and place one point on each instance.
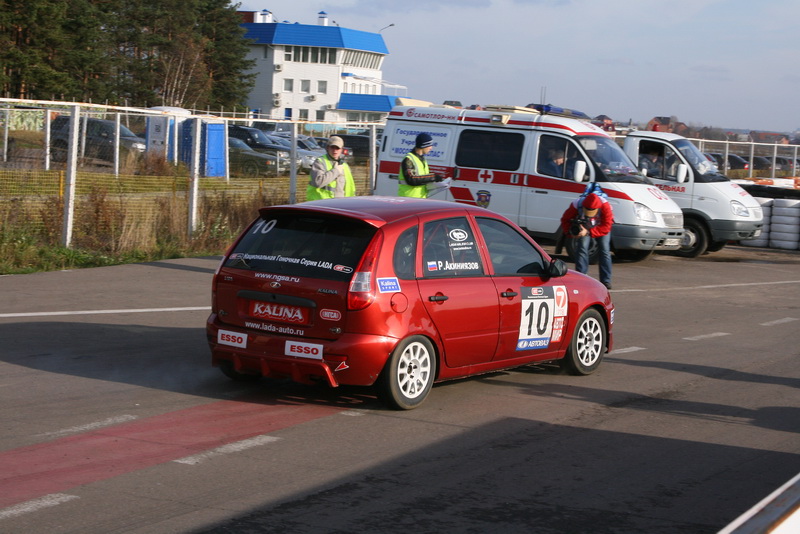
(398, 293)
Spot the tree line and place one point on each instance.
(184, 53)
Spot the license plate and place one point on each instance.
(283, 313)
(672, 242)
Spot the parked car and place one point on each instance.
(306, 157)
(398, 293)
(261, 142)
(785, 164)
(736, 162)
(360, 146)
(98, 141)
(246, 162)
(760, 163)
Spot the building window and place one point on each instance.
(305, 86)
(303, 114)
(322, 87)
(287, 53)
(288, 85)
(311, 54)
(320, 115)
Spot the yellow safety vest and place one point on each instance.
(327, 191)
(416, 191)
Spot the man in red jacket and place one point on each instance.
(588, 218)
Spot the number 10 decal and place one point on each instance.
(544, 310)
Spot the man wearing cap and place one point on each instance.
(330, 175)
(414, 172)
(597, 217)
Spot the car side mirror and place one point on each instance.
(556, 268)
(579, 171)
(683, 171)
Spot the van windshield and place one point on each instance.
(704, 169)
(611, 160)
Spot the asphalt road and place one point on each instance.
(114, 421)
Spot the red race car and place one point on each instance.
(398, 293)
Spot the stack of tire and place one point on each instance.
(784, 224)
(763, 239)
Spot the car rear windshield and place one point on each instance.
(303, 245)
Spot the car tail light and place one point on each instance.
(362, 287)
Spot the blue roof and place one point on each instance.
(358, 102)
(282, 33)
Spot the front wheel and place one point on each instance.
(408, 376)
(585, 351)
(695, 239)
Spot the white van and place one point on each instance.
(715, 210)
(498, 159)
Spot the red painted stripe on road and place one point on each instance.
(56, 466)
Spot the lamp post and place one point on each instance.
(389, 26)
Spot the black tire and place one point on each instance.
(409, 374)
(695, 239)
(632, 255)
(250, 169)
(227, 369)
(716, 246)
(588, 344)
(594, 250)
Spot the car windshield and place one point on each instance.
(706, 170)
(615, 165)
(260, 136)
(296, 244)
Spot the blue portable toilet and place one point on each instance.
(212, 146)
(160, 131)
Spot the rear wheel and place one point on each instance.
(250, 169)
(408, 376)
(586, 348)
(695, 239)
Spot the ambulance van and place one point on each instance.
(506, 159)
(715, 210)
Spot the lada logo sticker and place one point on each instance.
(274, 285)
(458, 235)
(483, 197)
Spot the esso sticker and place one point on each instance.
(234, 339)
(303, 350)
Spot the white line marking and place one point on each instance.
(227, 449)
(706, 336)
(627, 349)
(100, 312)
(92, 426)
(36, 504)
(352, 413)
(780, 321)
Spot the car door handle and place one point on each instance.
(438, 298)
(509, 294)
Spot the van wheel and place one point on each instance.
(594, 251)
(695, 239)
(716, 246)
(585, 351)
(632, 255)
(408, 376)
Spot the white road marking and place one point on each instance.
(91, 426)
(36, 504)
(706, 336)
(780, 321)
(101, 312)
(627, 349)
(227, 449)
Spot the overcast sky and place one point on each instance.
(722, 63)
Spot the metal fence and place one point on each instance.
(87, 175)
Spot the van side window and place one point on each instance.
(449, 249)
(490, 150)
(556, 157)
(510, 252)
(405, 253)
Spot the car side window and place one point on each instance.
(449, 249)
(510, 252)
(405, 252)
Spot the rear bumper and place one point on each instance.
(625, 236)
(352, 359)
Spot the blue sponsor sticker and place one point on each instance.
(388, 285)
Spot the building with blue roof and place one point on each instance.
(316, 72)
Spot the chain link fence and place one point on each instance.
(115, 179)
